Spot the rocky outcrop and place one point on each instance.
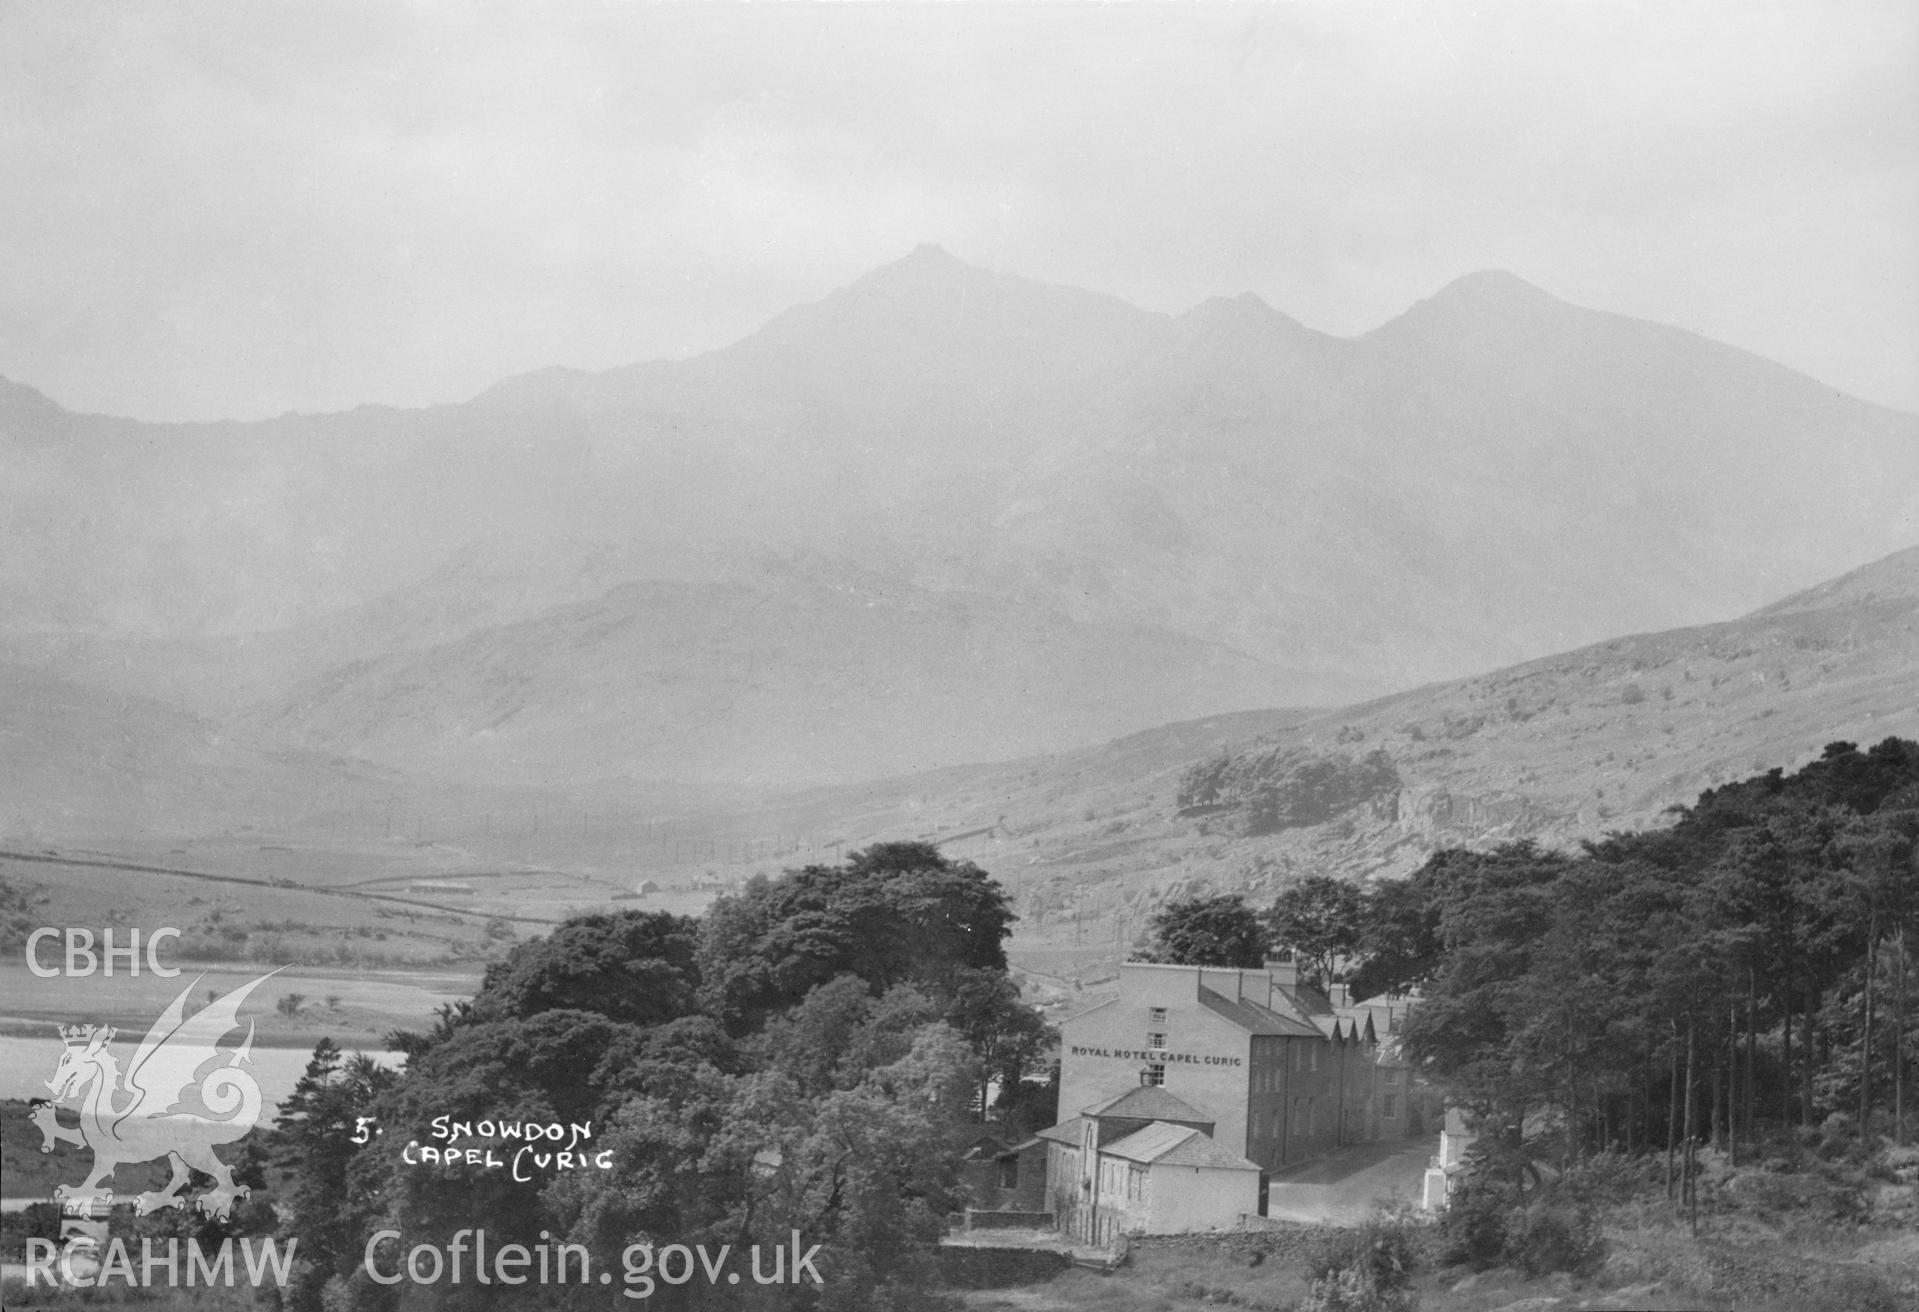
(1438, 815)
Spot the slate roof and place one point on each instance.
(1203, 1151)
(1151, 1143)
(1255, 1018)
(1311, 1000)
(1066, 1132)
(1148, 1102)
(1176, 1145)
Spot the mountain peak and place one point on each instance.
(1490, 296)
(1490, 283)
(930, 309)
(20, 396)
(927, 263)
(1489, 291)
(29, 416)
(1248, 309)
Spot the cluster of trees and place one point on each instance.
(1317, 922)
(1749, 966)
(1285, 788)
(809, 1056)
(1750, 963)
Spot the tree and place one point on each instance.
(896, 913)
(1009, 1037)
(868, 1170)
(1666, 985)
(313, 1144)
(1399, 944)
(1208, 931)
(1318, 920)
(634, 966)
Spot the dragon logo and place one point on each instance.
(163, 1106)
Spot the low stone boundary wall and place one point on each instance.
(976, 1220)
(1282, 1239)
(970, 1267)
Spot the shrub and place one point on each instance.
(1861, 1291)
(1472, 1229)
(1368, 1269)
(1552, 1237)
(1484, 1227)
(1604, 1178)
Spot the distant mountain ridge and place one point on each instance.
(806, 673)
(1560, 749)
(1492, 476)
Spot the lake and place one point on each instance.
(26, 1062)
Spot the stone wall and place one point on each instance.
(978, 1220)
(969, 1267)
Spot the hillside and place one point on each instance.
(75, 761)
(805, 674)
(1490, 477)
(1571, 746)
(1088, 841)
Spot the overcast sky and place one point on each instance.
(241, 209)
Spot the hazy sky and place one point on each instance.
(240, 209)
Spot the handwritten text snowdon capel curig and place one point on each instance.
(542, 1146)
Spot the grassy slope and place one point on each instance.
(1558, 749)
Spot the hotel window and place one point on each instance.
(1157, 1015)
(1156, 1074)
(1155, 1038)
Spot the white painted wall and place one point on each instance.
(1187, 1198)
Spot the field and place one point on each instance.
(352, 1006)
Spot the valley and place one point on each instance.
(1088, 843)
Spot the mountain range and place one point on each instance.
(942, 515)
